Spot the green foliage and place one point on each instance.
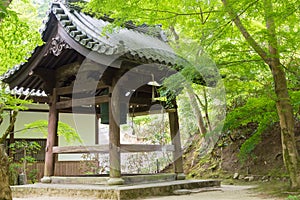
(63, 130)
(11, 102)
(295, 98)
(28, 148)
(13, 172)
(188, 124)
(293, 197)
(257, 110)
(32, 175)
(18, 35)
(141, 120)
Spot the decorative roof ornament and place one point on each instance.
(57, 46)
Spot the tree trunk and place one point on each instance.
(205, 108)
(283, 103)
(287, 124)
(5, 191)
(197, 112)
(10, 128)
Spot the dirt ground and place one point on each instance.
(228, 192)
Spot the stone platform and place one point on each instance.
(103, 180)
(111, 192)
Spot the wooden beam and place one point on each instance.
(104, 148)
(66, 71)
(145, 148)
(140, 101)
(48, 76)
(87, 87)
(83, 101)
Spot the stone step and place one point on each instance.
(123, 192)
(103, 180)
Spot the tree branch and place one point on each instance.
(180, 14)
(237, 61)
(10, 127)
(270, 24)
(236, 19)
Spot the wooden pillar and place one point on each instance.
(175, 136)
(52, 138)
(114, 139)
(97, 117)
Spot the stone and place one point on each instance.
(22, 179)
(182, 192)
(180, 176)
(236, 175)
(46, 179)
(241, 177)
(115, 181)
(249, 178)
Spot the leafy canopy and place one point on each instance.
(18, 34)
(247, 78)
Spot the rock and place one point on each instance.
(241, 177)
(249, 178)
(46, 179)
(182, 192)
(236, 175)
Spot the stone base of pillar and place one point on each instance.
(180, 176)
(46, 179)
(115, 181)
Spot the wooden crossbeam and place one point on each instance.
(87, 87)
(145, 147)
(104, 148)
(81, 102)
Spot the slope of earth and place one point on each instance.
(264, 161)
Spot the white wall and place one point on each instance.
(84, 124)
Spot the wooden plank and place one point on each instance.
(81, 102)
(140, 101)
(67, 70)
(146, 148)
(87, 87)
(103, 148)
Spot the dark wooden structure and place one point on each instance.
(82, 71)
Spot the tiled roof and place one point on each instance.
(143, 44)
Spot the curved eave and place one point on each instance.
(87, 31)
(84, 34)
(20, 72)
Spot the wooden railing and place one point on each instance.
(104, 148)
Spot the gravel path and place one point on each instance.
(228, 192)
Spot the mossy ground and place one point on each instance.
(265, 162)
